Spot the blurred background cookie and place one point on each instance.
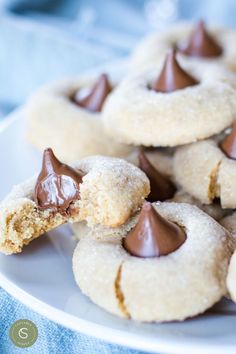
(207, 169)
(66, 116)
(195, 41)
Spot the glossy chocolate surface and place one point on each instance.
(201, 44)
(57, 185)
(228, 145)
(161, 187)
(172, 76)
(153, 235)
(95, 99)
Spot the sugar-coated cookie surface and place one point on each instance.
(111, 191)
(224, 216)
(152, 49)
(229, 222)
(136, 114)
(73, 132)
(214, 209)
(179, 285)
(204, 171)
(231, 278)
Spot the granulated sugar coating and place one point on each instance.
(205, 172)
(173, 287)
(152, 49)
(73, 132)
(135, 114)
(110, 192)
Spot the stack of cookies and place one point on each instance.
(154, 216)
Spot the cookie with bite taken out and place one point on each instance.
(98, 190)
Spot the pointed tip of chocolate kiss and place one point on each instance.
(153, 235)
(95, 99)
(228, 145)
(161, 187)
(201, 43)
(57, 185)
(172, 76)
(50, 161)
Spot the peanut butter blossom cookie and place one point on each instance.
(98, 190)
(172, 104)
(207, 169)
(196, 42)
(161, 189)
(229, 222)
(67, 116)
(167, 263)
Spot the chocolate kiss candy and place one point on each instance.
(161, 188)
(228, 145)
(172, 76)
(57, 185)
(153, 236)
(96, 97)
(201, 43)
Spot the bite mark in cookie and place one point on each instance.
(111, 191)
(58, 185)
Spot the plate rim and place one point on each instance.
(109, 335)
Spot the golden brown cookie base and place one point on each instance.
(154, 289)
(111, 191)
(205, 172)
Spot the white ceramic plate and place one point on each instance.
(41, 277)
